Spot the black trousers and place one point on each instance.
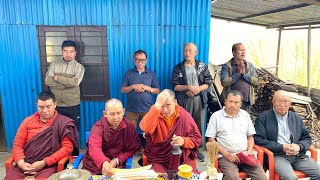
(72, 112)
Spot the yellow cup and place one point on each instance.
(185, 171)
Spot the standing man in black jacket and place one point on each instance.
(284, 133)
(190, 79)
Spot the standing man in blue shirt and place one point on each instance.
(139, 83)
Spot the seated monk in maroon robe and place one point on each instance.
(166, 125)
(113, 139)
(42, 140)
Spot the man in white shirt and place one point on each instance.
(231, 128)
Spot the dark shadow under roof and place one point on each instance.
(268, 13)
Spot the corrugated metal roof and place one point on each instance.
(269, 13)
(161, 28)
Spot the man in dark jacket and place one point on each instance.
(284, 133)
(190, 79)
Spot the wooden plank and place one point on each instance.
(296, 98)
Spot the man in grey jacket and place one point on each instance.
(284, 133)
(63, 78)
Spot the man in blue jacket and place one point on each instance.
(284, 133)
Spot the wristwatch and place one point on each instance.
(151, 90)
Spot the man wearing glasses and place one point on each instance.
(190, 79)
(139, 83)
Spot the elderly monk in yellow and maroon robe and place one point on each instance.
(166, 125)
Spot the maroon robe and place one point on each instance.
(120, 143)
(160, 154)
(45, 144)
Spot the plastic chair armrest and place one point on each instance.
(77, 161)
(129, 163)
(9, 162)
(314, 153)
(61, 163)
(259, 154)
(270, 161)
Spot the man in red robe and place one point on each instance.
(167, 125)
(113, 139)
(42, 140)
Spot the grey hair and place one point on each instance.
(190, 43)
(170, 92)
(113, 101)
(234, 93)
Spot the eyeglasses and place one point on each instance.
(282, 102)
(189, 50)
(140, 60)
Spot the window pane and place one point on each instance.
(91, 41)
(55, 34)
(91, 59)
(83, 33)
(53, 58)
(92, 81)
(53, 50)
(55, 40)
(91, 50)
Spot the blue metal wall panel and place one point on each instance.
(161, 28)
(20, 75)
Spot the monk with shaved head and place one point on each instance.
(284, 133)
(113, 139)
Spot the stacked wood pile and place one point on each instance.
(301, 104)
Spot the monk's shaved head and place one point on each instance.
(114, 112)
(112, 102)
(169, 92)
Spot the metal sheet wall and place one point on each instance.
(19, 75)
(161, 28)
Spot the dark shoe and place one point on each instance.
(140, 162)
(200, 157)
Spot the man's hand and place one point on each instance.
(190, 94)
(177, 141)
(107, 169)
(55, 77)
(161, 99)
(24, 166)
(286, 147)
(231, 157)
(138, 88)
(194, 90)
(241, 68)
(38, 165)
(147, 88)
(294, 149)
(249, 152)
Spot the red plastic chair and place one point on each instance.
(273, 175)
(243, 175)
(61, 163)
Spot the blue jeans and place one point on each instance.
(285, 165)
